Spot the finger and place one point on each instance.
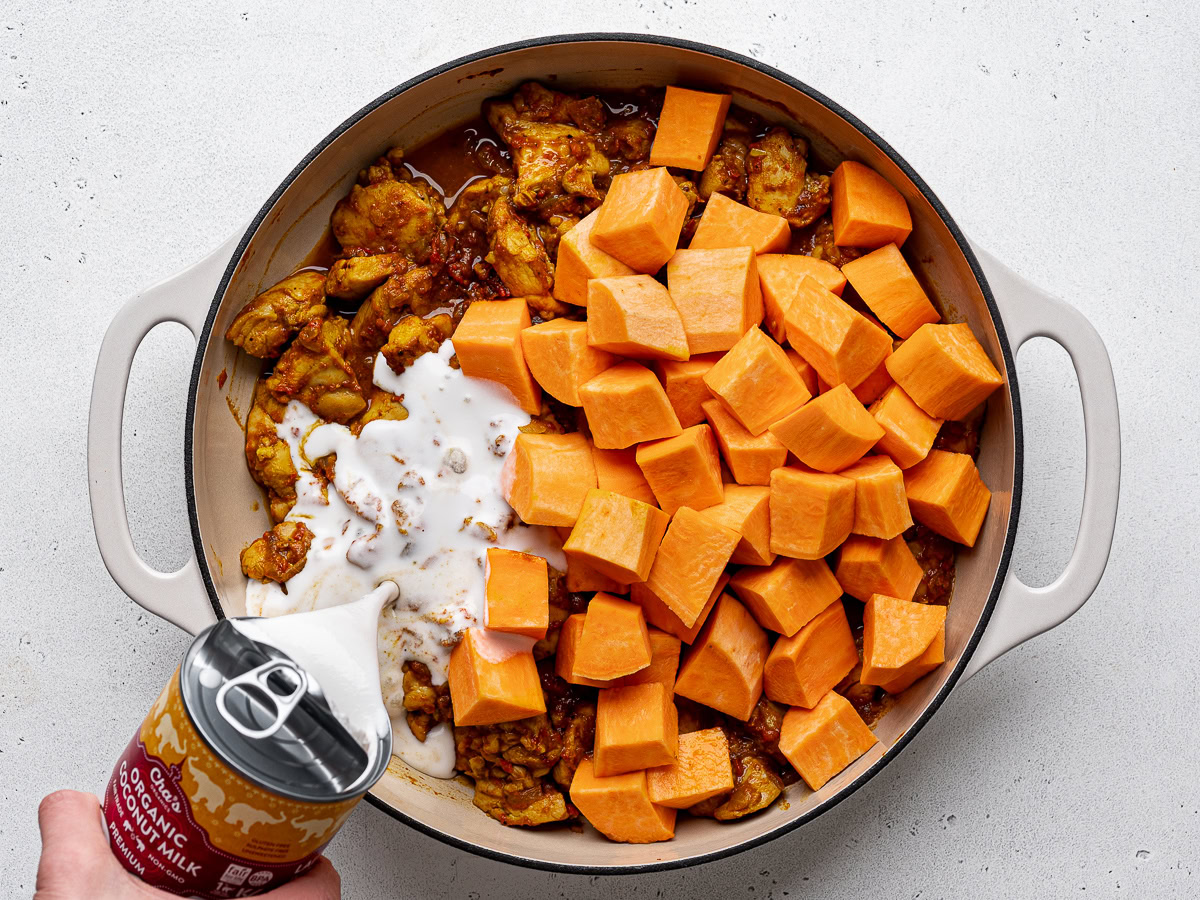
(72, 839)
(321, 882)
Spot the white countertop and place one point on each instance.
(1064, 137)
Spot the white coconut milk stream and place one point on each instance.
(417, 502)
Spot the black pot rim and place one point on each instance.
(964, 247)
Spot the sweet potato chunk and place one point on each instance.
(619, 806)
(880, 504)
(487, 342)
(872, 387)
(786, 595)
(688, 128)
(564, 656)
(804, 369)
(841, 344)
(637, 727)
(811, 512)
(660, 615)
(517, 593)
(945, 370)
(579, 260)
(560, 358)
(745, 510)
(690, 560)
(684, 383)
(493, 678)
(614, 641)
(946, 493)
(546, 477)
(867, 210)
(727, 223)
(751, 458)
(640, 219)
(718, 295)
(756, 382)
(633, 315)
(583, 578)
(684, 470)
(702, 769)
(830, 431)
(908, 431)
(802, 668)
(625, 405)
(887, 285)
(664, 662)
(616, 535)
(870, 565)
(821, 742)
(618, 471)
(934, 656)
(895, 633)
(779, 273)
(724, 668)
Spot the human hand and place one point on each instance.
(77, 864)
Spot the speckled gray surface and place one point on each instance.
(135, 136)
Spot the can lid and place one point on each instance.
(269, 721)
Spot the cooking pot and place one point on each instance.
(992, 611)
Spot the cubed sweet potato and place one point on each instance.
(867, 210)
(684, 383)
(493, 678)
(637, 727)
(787, 594)
(895, 633)
(908, 431)
(664, 662)
(614, 641)
(616, 535)
(891, 291)
(619, 806)
(870, 565)
(689, 562)
(934, 656)
(880, 503)
(872, 387)
(641, 218)
(634, 315)
(745, 510)
(564, 656)
(804, 369)
(751, 458)
(802, 668)
(487, 342)
(717, 294)
(822, 741)
(811, 512)
(689, 127)
(684, 470)
(727, 223)
(756, 382)
(546, 477)
(946, 493)
(659, 615)
(945, 370)
(517, 593)
(618, 471)
(561, 359)
(841, 344)
(723, 670)
(579, 261)
(625, 405)
(702, 768)
(830, 431)
(779, 273)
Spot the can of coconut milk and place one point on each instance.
(238, 777)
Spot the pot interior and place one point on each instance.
(228, 504)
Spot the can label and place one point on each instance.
(180, 819)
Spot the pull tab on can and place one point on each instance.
(257, 686)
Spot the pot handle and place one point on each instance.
(1023, 612)
(179, 597)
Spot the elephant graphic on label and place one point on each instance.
(160, 703)
(246, 816)
(168, 736)
(311, 828)
(207, 791)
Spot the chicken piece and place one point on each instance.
(517, 253)
(778, 181)
(536, 103)
(688, 188)
(408, 292)
(824, 248)
(314, 371)
(388, 212)
(267, 455)
(755, 787)
(381, 404)
(555, 164)
(414, 337)
(279, 554)
(726, 171)
(628, 139)
(268, 321)
(520, 800)
(354, 278)
(426, 704)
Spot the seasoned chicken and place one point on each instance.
(353, 278)
(314, 371)
(388, 212)
(778, 181)
(824, 248)
(425, 703)
(380, 405)
(279, 554)
(536, 103)
(628, 139)
(267, 455)
(555, 164)
(726, 171)
(408, 292)
(413, 337)
(268, 321)
(517, 253)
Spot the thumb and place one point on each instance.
(71, 825)
(321, 882)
